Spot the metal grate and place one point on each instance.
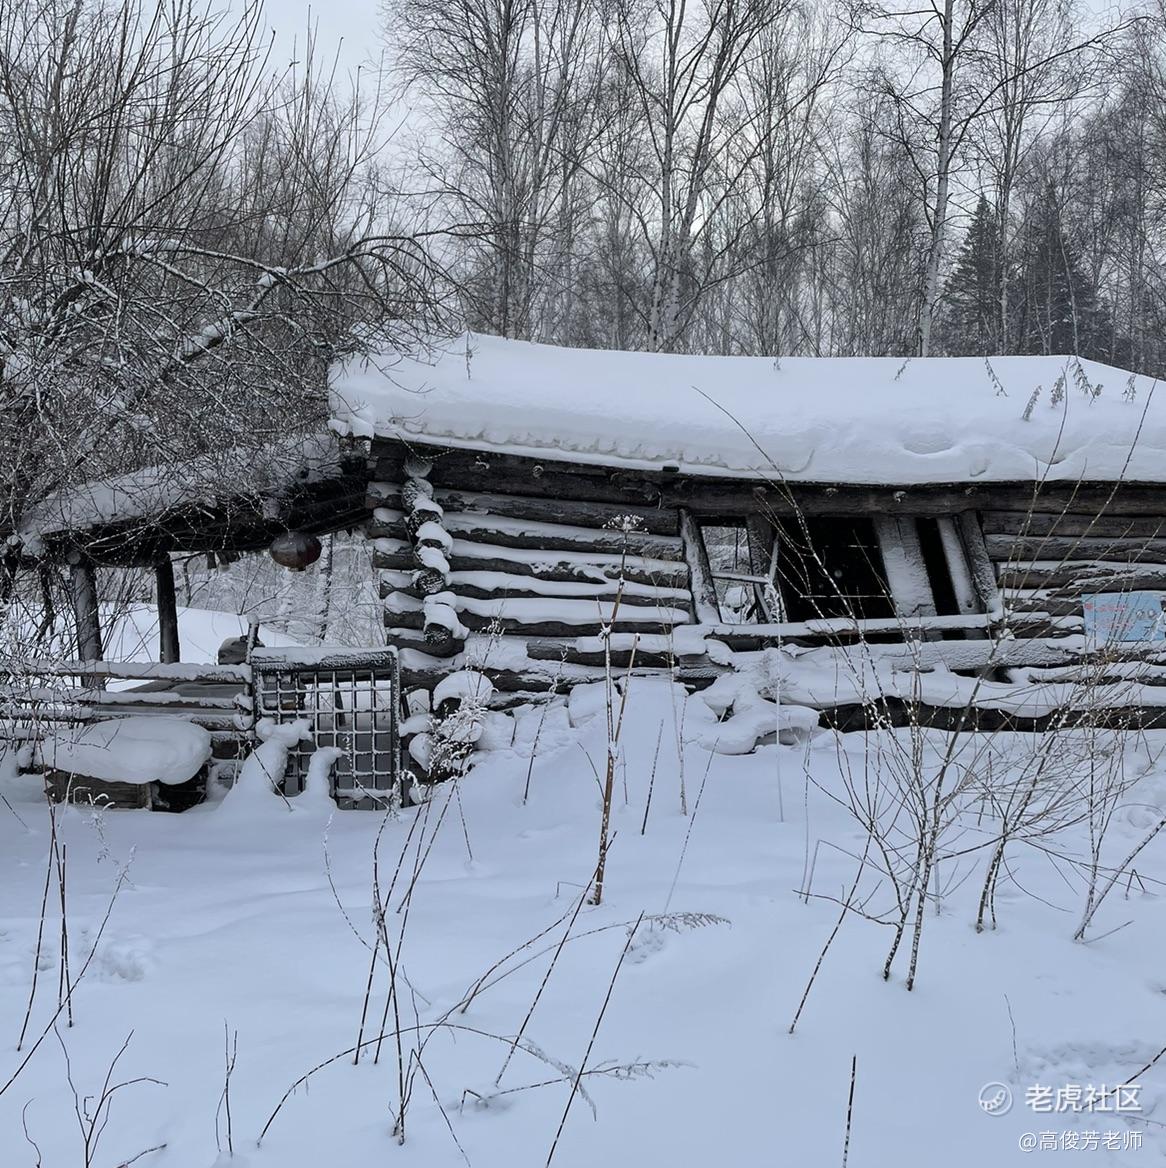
(350, 701)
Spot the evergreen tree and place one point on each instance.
(1056, 304)
(970, 313)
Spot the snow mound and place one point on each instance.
(264, 767)
(129, 750)
(814, 419)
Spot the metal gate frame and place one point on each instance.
(339, 692)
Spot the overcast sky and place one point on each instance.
(352, 27)
(348, 27)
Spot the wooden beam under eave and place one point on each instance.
(166, 598)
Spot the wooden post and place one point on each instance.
(704, 590)
(980, 565)
(83, 593)
(166, 599)
(903, 562)
(963, 585)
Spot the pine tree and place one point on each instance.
(1056, 304)
(970, 314)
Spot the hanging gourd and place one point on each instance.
(295, 550)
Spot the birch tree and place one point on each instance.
(508, 88)
(685, 65)
(929, 70)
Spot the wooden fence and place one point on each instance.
(56, 693)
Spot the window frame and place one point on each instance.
(909, 587)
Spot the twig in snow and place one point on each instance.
(1012, 1022)
(652, 780)
(230, 1051)
(830, 940)
(63, 980)
(688, 832)
(1138, 1074)
(68, 997)
(849, 1110)
(591, 1042)
(546, 978)
(27, 1136)
(440, 1107)
(40, 930)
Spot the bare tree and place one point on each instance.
(186, 242)
(945, 71)
(685, 67)
(508, 86)
(790, 93)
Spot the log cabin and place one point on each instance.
(832, 534)
(944, 530)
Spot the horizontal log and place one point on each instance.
(529, 627)
(536, 666)
(565, 509)
(467, 556)
(1068, 601)
(532, 534)
(709, 498)
(896, 712)
(508, 586)
(403, 637)
(1053, 605)
(138, 671)
(1104, 526)
(722, 495)
(905, 627)
(10, 714)
(229, 740)
(1082, 575)
(34, 697)
(1056, 547)
(515, 474)
(552, 650)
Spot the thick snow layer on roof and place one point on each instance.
(842, 419)
(153, 491)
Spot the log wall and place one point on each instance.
(1047, 560)
(530, 567)
(470, 543)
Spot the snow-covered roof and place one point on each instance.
(153, 492)
(860, 420)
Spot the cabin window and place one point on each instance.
(800, 568)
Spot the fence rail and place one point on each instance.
(52, 692)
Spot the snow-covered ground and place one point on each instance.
(133, 634)
(226, 921)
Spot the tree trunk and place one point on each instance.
(942, 182)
